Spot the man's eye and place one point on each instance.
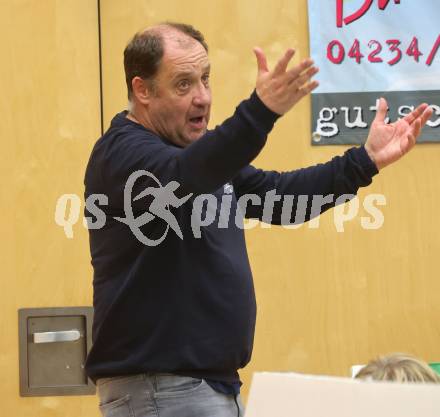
(183, 84)
(205, 79)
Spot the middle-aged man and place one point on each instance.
(173, 294)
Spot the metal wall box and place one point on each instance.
(53, 345)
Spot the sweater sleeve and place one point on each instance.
(321, 185)
(201, 167)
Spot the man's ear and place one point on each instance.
(141, 90)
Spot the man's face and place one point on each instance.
(179, 108)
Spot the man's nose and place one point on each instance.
(202, 96)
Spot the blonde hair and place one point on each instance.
(398, 367)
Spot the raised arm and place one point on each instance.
(323, 184)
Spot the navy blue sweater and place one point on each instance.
(187, 306)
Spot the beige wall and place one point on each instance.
(50, 119)
(326, 300)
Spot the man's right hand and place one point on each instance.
(280, 89)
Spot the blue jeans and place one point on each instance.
(164, 395)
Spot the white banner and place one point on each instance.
(366, 49)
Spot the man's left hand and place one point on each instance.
(386, 143)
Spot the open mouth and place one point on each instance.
(197, 122)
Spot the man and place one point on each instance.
(174, 320)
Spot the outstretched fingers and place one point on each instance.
(261, 61)
(411, 117)
(303, 78)
(281, 66)
(297, 70)
(426, 115)
(411, 137)
(304, 90)
(382, 109)
(281, 88)
(417, 124)
(416, 128)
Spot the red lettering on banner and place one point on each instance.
(413, 49)
(355, 51)
(378, 48)
(433, 51)
(394, 47)
(330, 52)
(382, 4)
(336, 51)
